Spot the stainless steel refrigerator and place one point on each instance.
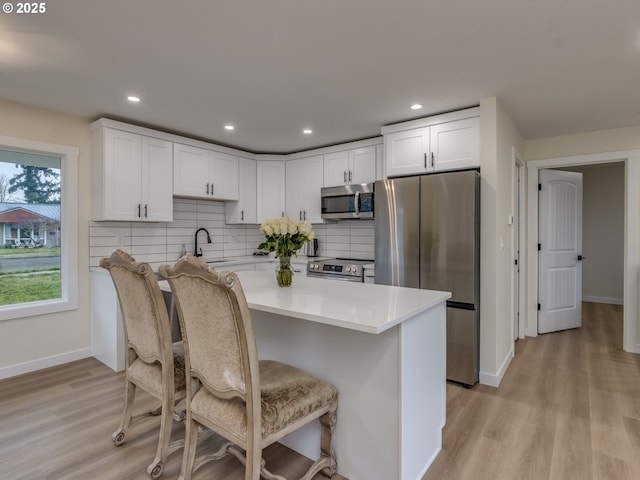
(428, 236)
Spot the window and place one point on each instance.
(38, 228)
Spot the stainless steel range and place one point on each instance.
(337, 269)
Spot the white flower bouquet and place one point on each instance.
(285, 236)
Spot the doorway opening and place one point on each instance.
(622, 166)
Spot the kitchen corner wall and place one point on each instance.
(158, 243)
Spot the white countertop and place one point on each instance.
(357, 306)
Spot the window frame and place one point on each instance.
(68, 226)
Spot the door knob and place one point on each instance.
(580, 258)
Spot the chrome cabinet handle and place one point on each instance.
(145, 211)
(207, 188)
(345, 176)
(300, 215)
(425, 161)
(349, 176)
(304, 214)
(211, 188)
(241, 214)
(138, 210)
(433, 160)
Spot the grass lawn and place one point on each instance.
(29, 252)
(21, 288)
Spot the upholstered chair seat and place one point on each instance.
(251, 403)
(152, 361)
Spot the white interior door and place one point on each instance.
(560, 251)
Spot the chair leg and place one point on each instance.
(129, 397)
(328, 425)
(326, 464)
(190, 444)
(166, 422)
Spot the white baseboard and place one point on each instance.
(494, 379)
(609, 300)
(39, 364)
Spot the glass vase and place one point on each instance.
(284, 274)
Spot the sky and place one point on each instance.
(10, 170)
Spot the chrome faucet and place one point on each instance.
(195, 252)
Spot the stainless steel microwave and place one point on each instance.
(347, 201)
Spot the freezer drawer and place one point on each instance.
(463, 356)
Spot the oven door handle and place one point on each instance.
(357, 204)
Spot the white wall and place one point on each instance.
(602, 233)
(56, 338)
(498, 137)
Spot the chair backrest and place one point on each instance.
(217, 332)
(145, 317)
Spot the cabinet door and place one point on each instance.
(270, 189)
(336, 168)
(456, 144)
(223, 176)
(406, 152)
(122, 175)
(295, 191)
(190, 171)
(362, 165)
(244, 210)
(157, 180)
(313, 182)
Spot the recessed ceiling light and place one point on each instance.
(415, 106)
(133, 98)
(307, 131)
(229, 127)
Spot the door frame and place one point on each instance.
(631, 159)
(518, 243)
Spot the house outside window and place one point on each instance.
(38, 228)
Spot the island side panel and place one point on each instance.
(423, 386)
(365, 369)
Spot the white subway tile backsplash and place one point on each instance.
(158, 243)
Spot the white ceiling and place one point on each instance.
(341, 67)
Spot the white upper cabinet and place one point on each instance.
(350, 166)
(443, 142)
(304, 179)
(406, 152)
(244, 210)
(456, 144)
(202, 173)
(270, 190)
(132, 177)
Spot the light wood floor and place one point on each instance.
(568, 408)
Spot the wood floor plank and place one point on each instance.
(567, 408)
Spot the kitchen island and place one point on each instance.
(383, 348)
